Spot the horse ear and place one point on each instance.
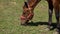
(26, 4)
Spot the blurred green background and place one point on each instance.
(10, 12)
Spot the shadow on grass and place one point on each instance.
(42, 23)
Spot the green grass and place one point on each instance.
(10, 12)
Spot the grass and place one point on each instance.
(10, 12)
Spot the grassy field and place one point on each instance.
(10, 12)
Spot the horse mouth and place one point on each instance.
(24, 21)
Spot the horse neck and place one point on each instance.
(33, 3)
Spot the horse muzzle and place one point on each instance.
(23, 20)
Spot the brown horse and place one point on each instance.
(31, 4)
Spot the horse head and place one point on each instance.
(27, 14)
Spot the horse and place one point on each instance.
(29, 6)
(56, 4)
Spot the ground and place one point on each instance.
(10, 12)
